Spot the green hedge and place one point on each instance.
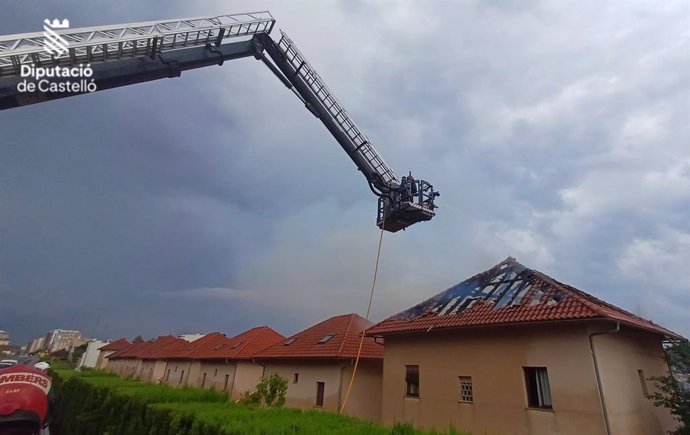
(84, 409)
(98, 403)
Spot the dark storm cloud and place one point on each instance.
(216, 202)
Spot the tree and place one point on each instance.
(672, 394)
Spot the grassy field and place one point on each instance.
(205, 407)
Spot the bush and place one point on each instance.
(270, 392)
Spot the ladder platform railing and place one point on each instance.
(103, 43)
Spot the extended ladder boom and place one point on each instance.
(133, 53)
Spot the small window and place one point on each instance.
(289, 341)
(215, 373)
(203, 381)
(466, 389)
(295, 378)
(219, 346)
(326, 338)
(236, 345)
(643, 383)
(412, 381)
(538, 389)
(181, 376)
(320, 387)
(167, 375)
(225, 385)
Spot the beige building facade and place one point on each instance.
(495, 362)
(315, 384)
(513, 351)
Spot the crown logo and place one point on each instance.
(55, 44)
(57, 24)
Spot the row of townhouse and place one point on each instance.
(507, 351)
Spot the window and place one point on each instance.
(295, 378)
(320, 386)
(289, 341)
(225, 385)
(466, 389)
(167, 375)
(412, 381)
(236, 345)
(643, 383)
(326, 338)
(215, 373)
(538, 389)
(203, 381)
(181, 376)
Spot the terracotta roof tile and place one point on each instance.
(242, 346)
(118, 344)
(314, 342)
(505, 294)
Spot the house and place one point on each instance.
(152, 367)
(511, 350)
(318, 364)
(227, 364)
(125, 362)
(109, 349)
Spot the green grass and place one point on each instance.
(211, 408)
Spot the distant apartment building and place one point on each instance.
(35, 345)
(4, 338)
(62, 339)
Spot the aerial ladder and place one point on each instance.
(121, 55)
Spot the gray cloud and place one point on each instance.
(556, 133)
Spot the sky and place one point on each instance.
(557, 133)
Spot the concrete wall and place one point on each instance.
(247, 377)
(495, 357)
(102, 361)
(176, 373)
(219, 376)
(620, 357)
(91, 356)
(365, 398)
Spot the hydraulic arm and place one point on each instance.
(133, 53)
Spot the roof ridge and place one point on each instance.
(346, 334)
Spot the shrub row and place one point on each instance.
(100, 403)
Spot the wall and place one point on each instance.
(176, 377)
(247, 377)
(620, 356)
(364, 401)
(216, 371)
(494, 358)
(91, 356)
(103, 359)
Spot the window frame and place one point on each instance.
(643, 382)
(466, 380)
(538, 388)
(320, 393)
(412, 381)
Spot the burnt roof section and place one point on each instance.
(505, 294)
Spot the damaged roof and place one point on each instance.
(334, 338)
(505, 294)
